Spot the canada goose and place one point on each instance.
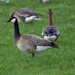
(25, 15)
(44, 1)
(29, 43)
(50, 32)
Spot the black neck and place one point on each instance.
(50, 19)
(16, 29)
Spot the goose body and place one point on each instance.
(50, 32)
(29, 43)
(25, 15)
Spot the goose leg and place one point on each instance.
(37, 53)
(33, 54)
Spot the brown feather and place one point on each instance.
(35, 40)
(12, 14)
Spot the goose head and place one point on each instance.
(12, 19)
(50, 11)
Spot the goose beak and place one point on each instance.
(8, 20)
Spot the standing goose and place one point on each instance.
(29, 43)
(25, 15)
(50, 32)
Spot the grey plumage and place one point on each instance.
(30, 43)
(24, 13)
(50, 32)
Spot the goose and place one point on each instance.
(29, 43)
(50, 32)
(44, 1)
(25, 15)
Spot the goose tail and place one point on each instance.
(54, 45)
(37, 18)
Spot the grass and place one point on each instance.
(51, 62)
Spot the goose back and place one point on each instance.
(24, 13)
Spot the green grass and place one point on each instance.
(51, 62)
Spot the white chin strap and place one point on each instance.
(13, 20)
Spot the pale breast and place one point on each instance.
(25, 46)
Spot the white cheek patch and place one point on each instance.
(13, 20)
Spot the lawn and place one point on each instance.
(50, 62)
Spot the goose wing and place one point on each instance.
(26, 12)
(37, 41)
